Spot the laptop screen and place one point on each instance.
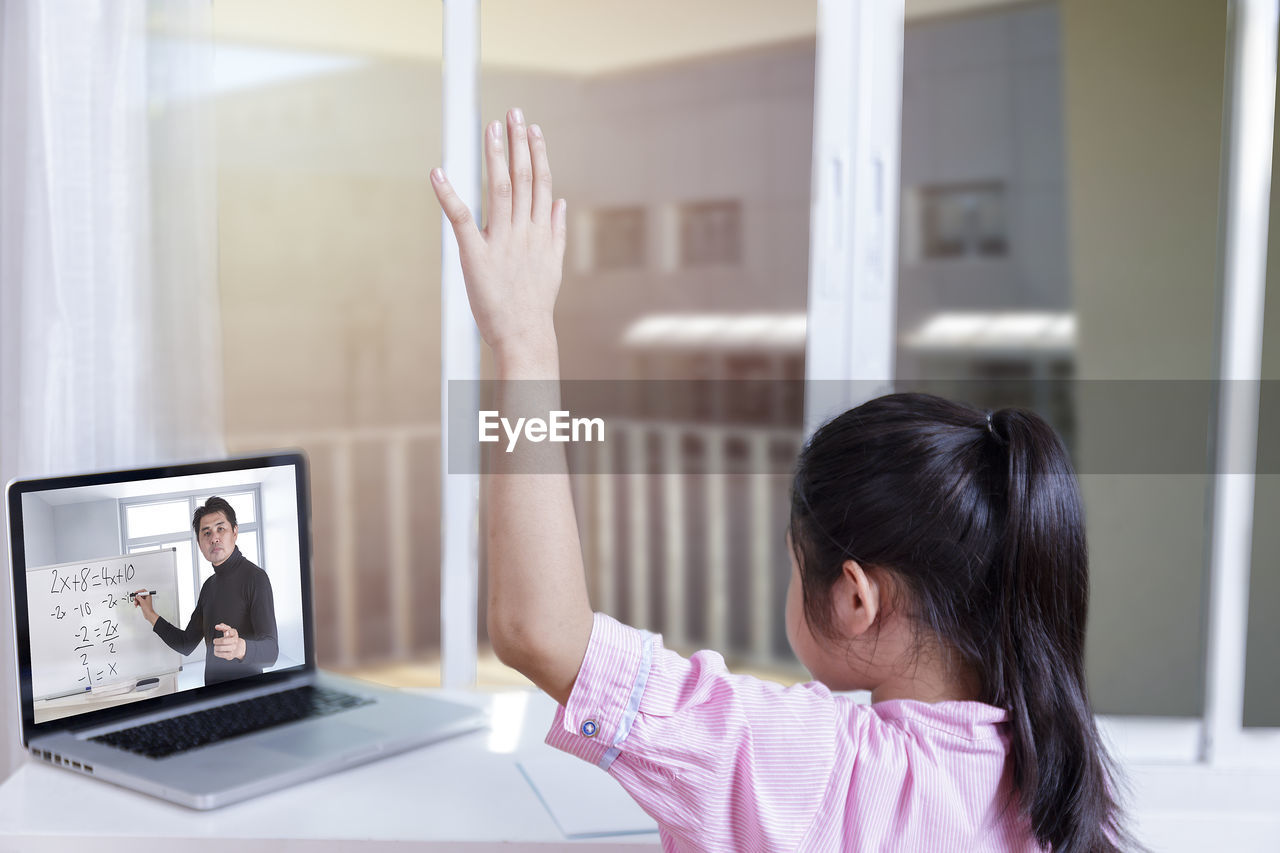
(158, 585)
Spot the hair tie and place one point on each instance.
(991, 427)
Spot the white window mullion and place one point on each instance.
(460, 353)
(1244, 207)
(853, 228)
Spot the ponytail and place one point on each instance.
(978, 518)
(1035, 667)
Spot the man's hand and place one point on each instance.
(143, 600)
(230, 646)
(513, 267)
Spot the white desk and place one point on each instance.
(467, 794)
(462, 794)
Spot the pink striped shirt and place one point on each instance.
(730, 762)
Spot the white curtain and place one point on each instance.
(110, 341)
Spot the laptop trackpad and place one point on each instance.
(322, 739)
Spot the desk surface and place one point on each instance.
(465, 793)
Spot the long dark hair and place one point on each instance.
(979, 522)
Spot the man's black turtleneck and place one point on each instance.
(238, 593)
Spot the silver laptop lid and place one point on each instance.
(80, 546)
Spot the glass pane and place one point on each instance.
(1048, 251)
(1262, 680)
(1262, 684)
(686, 166)
(328, 123)
(157, 518)
(244, 506)
(241, 502)
(248, 544)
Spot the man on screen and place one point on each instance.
(235, 612)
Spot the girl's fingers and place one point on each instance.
(521, 168)
(499, 178)
(541, 175)
(464, 226)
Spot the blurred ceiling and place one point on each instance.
(565, 36)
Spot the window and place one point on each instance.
(963, 220)
(620, 238)
(989, 161)
(710, 233)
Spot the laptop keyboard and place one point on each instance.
(179, 734)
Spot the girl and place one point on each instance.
(938, 560)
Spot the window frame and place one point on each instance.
(1244, 210)
(459, 352)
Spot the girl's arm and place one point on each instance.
(539, 616)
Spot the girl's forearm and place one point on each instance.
(539, 613)
(539, 616)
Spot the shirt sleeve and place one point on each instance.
(184, 641)
(721, 761)
(262, 647)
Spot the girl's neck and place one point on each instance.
(930, 693)
(931, 680)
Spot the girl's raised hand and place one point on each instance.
(513, 267)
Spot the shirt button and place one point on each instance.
(589, 728)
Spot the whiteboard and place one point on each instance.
(86, 632)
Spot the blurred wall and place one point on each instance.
(86, 530)
(37, 532)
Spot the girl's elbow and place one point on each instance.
(513, 644)
(532, 650)
(548, 654)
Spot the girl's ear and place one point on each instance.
(858, 599)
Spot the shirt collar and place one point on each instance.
(230, 563)
(973, 720)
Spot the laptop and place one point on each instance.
(177, 708)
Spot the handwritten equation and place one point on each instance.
(86, 632)
(86, 579)
(92, 594)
